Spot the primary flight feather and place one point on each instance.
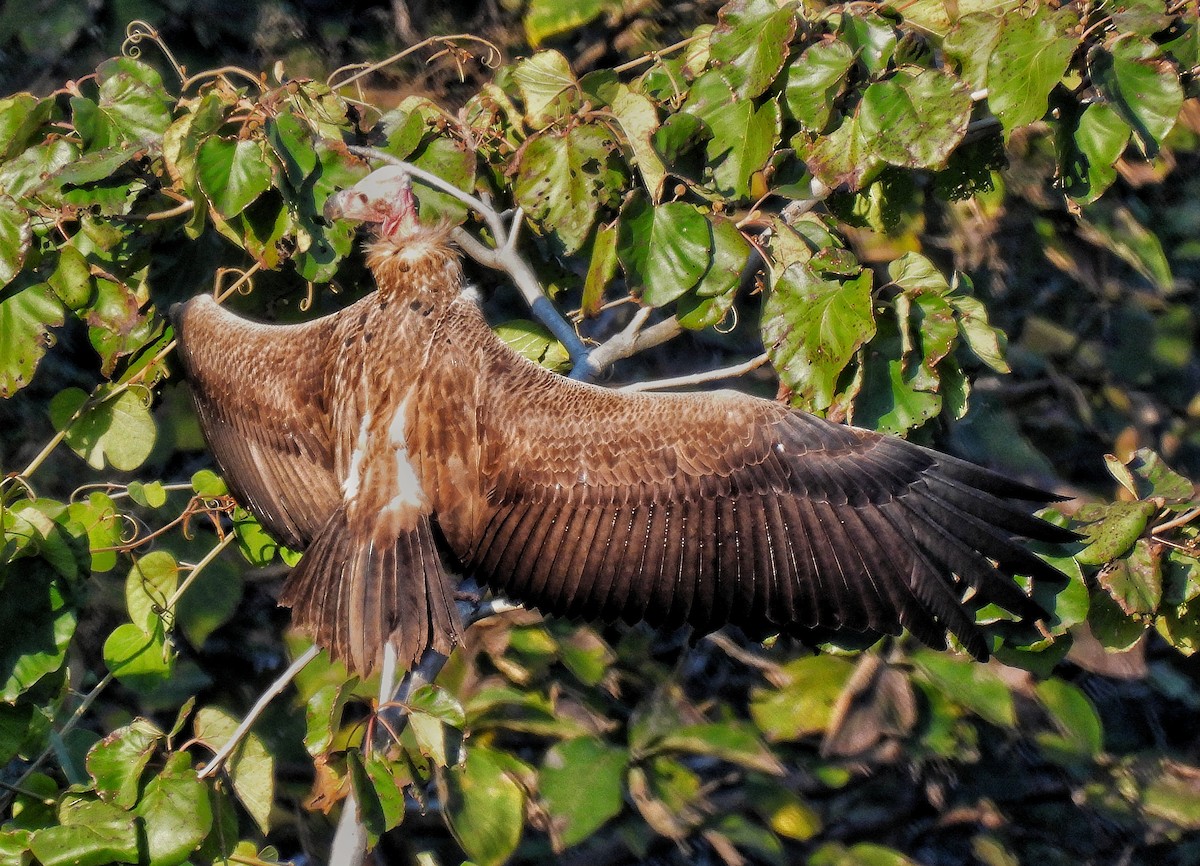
(399, 441)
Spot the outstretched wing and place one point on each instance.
(259, 393)
(715, 508)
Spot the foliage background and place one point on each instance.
(944, 172)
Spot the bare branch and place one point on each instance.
(626, 343)
(697, 378)
(272, 692)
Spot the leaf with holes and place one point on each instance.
(564, 178)
(812, 327)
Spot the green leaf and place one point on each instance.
(233, 174)
(1172, 796)
(431, 710)
(639, 121)
(21, 118)
(14, 238)
(24, 176)
(974, 686)
(585, 654)
(1141, 85)
(132, 106)
(1154, 478)
(140, 660)
(1135, 580)
(804, 704)
(548, 87)
(208, 483)
(730, 253)
(150, 584)
(744, 135)
(379, 785)
(1089, 157)
(812, 327)
(750, 45)
(985, 342)
(1115, 631)
(14, 727)
(1113, 530)
(176, 812)
(784, 811)
(664, 249)
(251, 767)
(534, 341)
(292, 141)
(25, 321)
(254, 542)
(37, 623)
(732, 741)
(116, 762)
(915, 119)
(602, 267)
(814, 80)
(861, 854)
(117, 325)
(564, 178)
(91, 833)
(484, 806)
(844, 157)
(971, 42)
(1079, 737)
(915, 274)
(1030, 58)
(545, 19)
(454, 163)
(872, 38)
(117, 432)
(581, 786)
(149, 495)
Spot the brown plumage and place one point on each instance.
(401, 436)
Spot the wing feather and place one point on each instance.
(709, 508)
(259, 395)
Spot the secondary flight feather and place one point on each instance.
(399, 441)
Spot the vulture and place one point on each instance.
(399, 442)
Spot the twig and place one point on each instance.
(70, 724)
(1182, 520)
(697, 378)
(273, 691)
(503, 257)
(196, 569)
(491, 60)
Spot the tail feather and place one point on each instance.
(358, 588)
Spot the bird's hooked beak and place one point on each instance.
(384, 196)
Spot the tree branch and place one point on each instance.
(503, 257)
(273, 691)
(697, 378)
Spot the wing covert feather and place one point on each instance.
(259, 396)
(701, 509)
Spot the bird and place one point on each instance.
(399, 442)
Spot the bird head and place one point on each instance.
(385, 197)
(407, 257)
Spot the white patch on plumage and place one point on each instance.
(409, 493)
(354, 476)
